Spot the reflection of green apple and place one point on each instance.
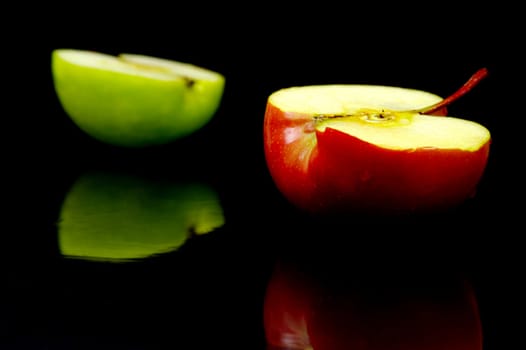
(134, 100)
(122, 217)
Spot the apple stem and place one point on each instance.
(468, 85)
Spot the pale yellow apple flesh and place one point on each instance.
(140, 65)
(168, 67)
(377, 115)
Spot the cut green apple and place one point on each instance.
(120, 217)
(372, 148)
(135, 100)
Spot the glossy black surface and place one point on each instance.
(209, 291)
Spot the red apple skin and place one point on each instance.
(331, 172)
(301, 312)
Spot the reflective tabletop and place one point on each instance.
(190, 245)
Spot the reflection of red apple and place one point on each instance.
(369, 148)
(301, 312)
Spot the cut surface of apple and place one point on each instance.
(375, 115)
(134, 100)
(367, 148)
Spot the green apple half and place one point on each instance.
(372, 149)
(120, 217)
(134, 100)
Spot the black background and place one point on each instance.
(210, 294)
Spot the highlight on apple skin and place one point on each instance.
(133, 100)
(370, 149)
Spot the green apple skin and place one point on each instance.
(119, 217)
(130, 109)
(331, 172)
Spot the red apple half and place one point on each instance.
(370, 149)
(304, 311)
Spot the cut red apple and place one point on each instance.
(371, 149)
